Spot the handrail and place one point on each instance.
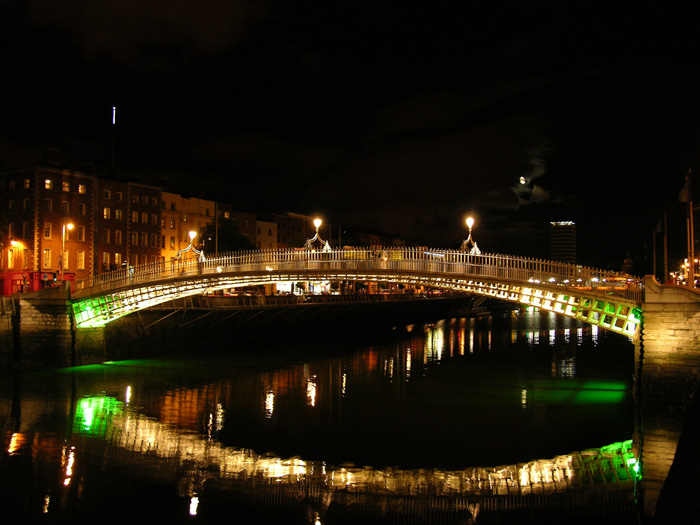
(451, 263)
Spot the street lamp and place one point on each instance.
(68, 226)
(474, 250)
(325, 245)
(180, 253)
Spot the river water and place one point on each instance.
(152, 439)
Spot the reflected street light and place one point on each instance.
(325, 245)
(68, 226)
(180, 253)
(474, 249)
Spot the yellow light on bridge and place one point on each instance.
(192, 235)
(317, 223)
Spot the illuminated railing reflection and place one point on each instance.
(613, 465)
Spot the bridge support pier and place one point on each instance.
(44, 334)
(668, 375)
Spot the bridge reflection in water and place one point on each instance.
(201, 460)
(170, 432)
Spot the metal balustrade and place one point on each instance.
(420, 260)
(608, 299)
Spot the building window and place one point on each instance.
(25, 230)
(82, 188)
(10, 259)
(154, 240)
(135, 198)
(154, 201)
(134, 239)
(105, 260)
(117, 237)
(118, 196)
(65, 207)
(12, 185)
(144, 239)
(64, 262)
(172, 206)
(48, 184)
(144, 217)
(206, 212)
(25, 204)
(27, 183)
(65, 185)
(106, 194)
(82, 209)
(172, 242)
(48, 205)
(25, 258)
(227, 215)
(81, 260)
(154, 219)
(46, 259)
(144, 258)
(105, 236)
(107, 213)
(118, 214)
(47, 230)
(134, 217)
(117, 259)
(184, 217)
(81, 233)
(172, 224)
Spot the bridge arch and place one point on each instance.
(607, 299)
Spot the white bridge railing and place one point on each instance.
(383, 261)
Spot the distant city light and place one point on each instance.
(114, 115)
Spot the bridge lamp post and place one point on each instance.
(183, 251)
(474, 250)
(325, 245)
(68, 226)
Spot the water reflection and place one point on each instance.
(461, 407)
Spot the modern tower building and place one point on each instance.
(562, 241)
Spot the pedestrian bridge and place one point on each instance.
(606, 299)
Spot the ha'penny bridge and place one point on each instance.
(64, 326)
(606, 299)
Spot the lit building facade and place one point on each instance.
(144, 231)
(47, 227)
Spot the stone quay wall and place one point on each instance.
(37, 331)
(670, 346)
(668, 376)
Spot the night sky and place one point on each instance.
(402, 116)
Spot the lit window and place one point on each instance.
(134, 239)
(144, 217)
(81, 233)
(46, 259)
(82, 188)
(172, 224)
(134, 217)
(105, 260)
(106, 213)
(227, 215)
(118, 214)
(172, 243)
(65, 185)
(117, 259)
(47, 230)
(48, 184)
(81, 260)
(27, 183)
